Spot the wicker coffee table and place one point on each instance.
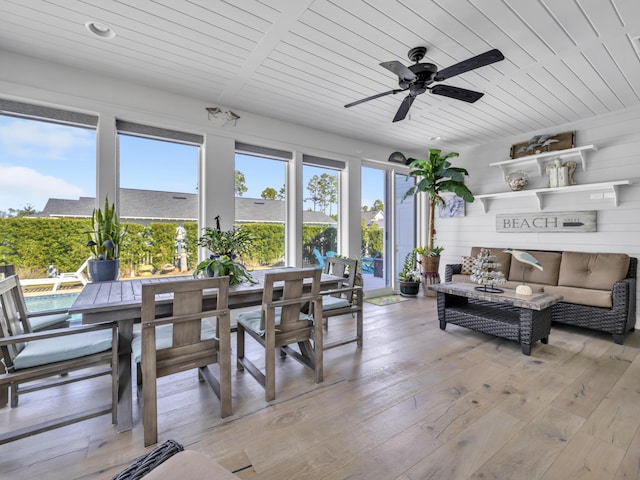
(524, 319)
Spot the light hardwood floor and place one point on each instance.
(414, 403)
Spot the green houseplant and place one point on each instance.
(104, 241)
(409, 276)
(223, 265)
(435, 176)
(226, 247)
(234, 242)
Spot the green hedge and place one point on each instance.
(31, 244)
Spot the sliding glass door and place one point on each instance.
(374, 227)
(388, 226)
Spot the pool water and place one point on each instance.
(53, 302)
(50, 302)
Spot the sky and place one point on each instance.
(40, 160)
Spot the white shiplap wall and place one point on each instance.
(617, 137)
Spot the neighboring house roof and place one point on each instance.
(373, 216)
(272, 211)
(154, 205)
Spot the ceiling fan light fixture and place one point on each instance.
(100, 30)
(226, 116)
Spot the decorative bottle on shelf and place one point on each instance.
(486, 272)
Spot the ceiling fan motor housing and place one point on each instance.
(425, 73)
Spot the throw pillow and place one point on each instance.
(467, 265)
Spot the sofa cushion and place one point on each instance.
(550, 262)
(467, 265)
(458, 277)
(190, 464)
(597, 271)
(582, 296)
(502, 257)
(535, 287)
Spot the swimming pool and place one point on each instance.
(50, 302)
(53, 302)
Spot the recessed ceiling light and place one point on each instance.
(99, 29)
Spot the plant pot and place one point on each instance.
(104, 270)
(409, 289)
(430, 267)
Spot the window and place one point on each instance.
(159, 203)
(260, 193)
(374, 188)
(47, 183)
(320, 216)
(405, 220)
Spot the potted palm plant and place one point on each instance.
(435, 176)
(105, 237)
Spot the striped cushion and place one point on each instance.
(50, 350)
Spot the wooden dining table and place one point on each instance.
(121, 302)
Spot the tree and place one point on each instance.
(269, 193)
(330, 190)
(313, 188)
(25, 211)
(281, 193)
(378, 205)
(324, 192)
(240, 184)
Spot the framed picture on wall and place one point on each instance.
(453, 207)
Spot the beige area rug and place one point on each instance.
(387, 299)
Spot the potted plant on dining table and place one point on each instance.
(227, 248)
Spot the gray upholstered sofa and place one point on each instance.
(598, 289)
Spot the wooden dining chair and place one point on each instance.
(281, 322)
(184, 340)
(52, 358)
(37, 321)
(344, 300)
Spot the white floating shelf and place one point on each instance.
(538, 193)
(539, 159)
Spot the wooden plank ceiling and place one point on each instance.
(302, 60)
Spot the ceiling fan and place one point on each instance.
(418, 77)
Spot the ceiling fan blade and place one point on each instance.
(400, 70)
(478, 61)
(373, 97)
(404, 108)
(457, 93)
